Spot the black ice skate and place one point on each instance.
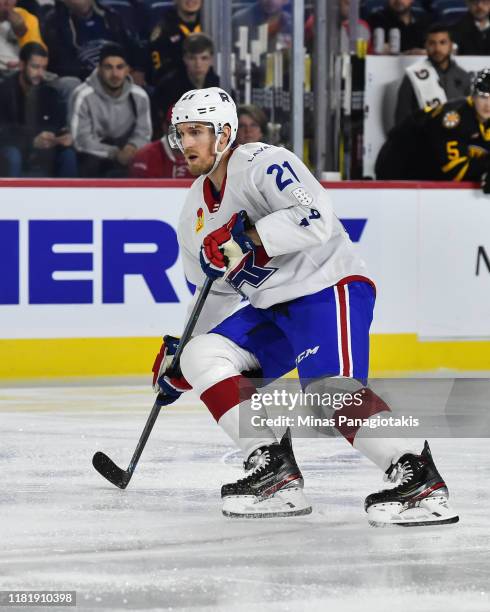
(421, 498)
(274, 486)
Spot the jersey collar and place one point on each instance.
(213, 203)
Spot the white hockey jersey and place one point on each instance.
(305, 247)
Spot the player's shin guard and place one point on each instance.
(421, 498)
(274, 486)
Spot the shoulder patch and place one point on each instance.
(451, 119)
(302, 196)
(200, 220)
(476, 151)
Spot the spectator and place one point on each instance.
(168, 36)
(132, 14)
(110, 117)
(472, 32)
(434, 80)
(398, 14)
(369, 7)
(18, 27)
(449, 143)
(198, 72)
(272, 13)
(76, 31)
(252, 124)
(33, 132)
(158, 160)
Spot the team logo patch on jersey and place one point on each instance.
(200, 220)
(476, 152)
(451, 119)
(302, 196)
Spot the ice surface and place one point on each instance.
(162, 544)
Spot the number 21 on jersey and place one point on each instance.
(282, 178)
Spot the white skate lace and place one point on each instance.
(257, 463)
(400, 473)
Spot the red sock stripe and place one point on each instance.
(344, 331)
(226, 394)
(371, 404)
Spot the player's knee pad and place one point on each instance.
(210, 358)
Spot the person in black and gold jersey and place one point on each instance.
(167, 38)
(449, 143)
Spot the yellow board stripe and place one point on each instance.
(390, 353)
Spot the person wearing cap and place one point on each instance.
(448, 143)
(110, 117)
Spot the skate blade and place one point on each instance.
(287, 502)
(432, 511)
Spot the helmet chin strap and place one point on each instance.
(218, 154)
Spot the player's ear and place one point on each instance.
(225, 136)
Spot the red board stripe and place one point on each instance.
(185, 183)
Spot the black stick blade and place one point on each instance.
(109, 470)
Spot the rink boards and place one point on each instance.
(90, 274)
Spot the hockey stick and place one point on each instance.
(104, 464)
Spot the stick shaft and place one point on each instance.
(193, 317)
(186, 336)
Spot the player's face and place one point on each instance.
(439, 47)
(482, 107)
(113, 72)
(35, 69)
(248, 130)
(480, 9)
(198, 141)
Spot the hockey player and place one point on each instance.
(259, 223)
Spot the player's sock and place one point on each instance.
(420, 498)
(273, 487)
(365, 439)
(381, 451)
(227, 400)
(212, 365)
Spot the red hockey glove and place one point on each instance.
(169, 383)
(223, 249)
